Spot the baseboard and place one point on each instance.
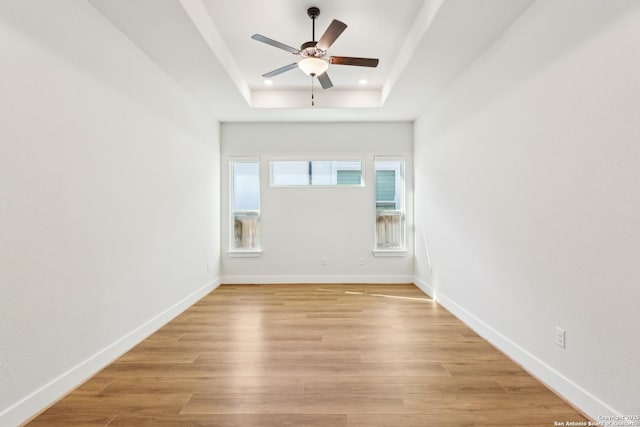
(575, 395)
(49, 393)
(289, 279)
(424, 287)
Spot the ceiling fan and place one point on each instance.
(314, 61)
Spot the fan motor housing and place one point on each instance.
(308, 45)
(309, 49)
(313, 12)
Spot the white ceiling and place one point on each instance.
(205, 45)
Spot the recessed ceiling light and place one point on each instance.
(268, 82)
(363, 81)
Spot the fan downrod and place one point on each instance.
(313, 13)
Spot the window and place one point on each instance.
(285, 173)
(245, 205)
(389, 179)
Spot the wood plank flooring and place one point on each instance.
(312, 355)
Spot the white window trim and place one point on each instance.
(243, 253)
(391, 252)
(253, 253)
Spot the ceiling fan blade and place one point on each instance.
(274, 43)
(347, 60)
(280, 70)
(325, 81)
(335, 29)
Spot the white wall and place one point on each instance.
(527, 178)
(300, 226)
(109, 200)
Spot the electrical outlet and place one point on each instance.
(208, 268)
(560, 337)
(361, 260)
(323, 260)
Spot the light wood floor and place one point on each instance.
(312, 355)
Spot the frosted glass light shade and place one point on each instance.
(313, 66)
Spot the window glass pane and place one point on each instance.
(389, 229)
(245, 230)
(386, 189)
(316, 172)
(245, 205)
(349, 177)
(320, 173)
(290, 173)
(389, 183)
(346, 172)
(246, 186)
(389, 210)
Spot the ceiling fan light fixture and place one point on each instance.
(313, 66)
(314, 61)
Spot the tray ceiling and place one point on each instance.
(206, 46)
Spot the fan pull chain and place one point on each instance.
(313, 98)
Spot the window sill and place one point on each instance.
(389, 252)
(244, 254)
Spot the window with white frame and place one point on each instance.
(389, 181)
(289, 173)
(245, 205)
